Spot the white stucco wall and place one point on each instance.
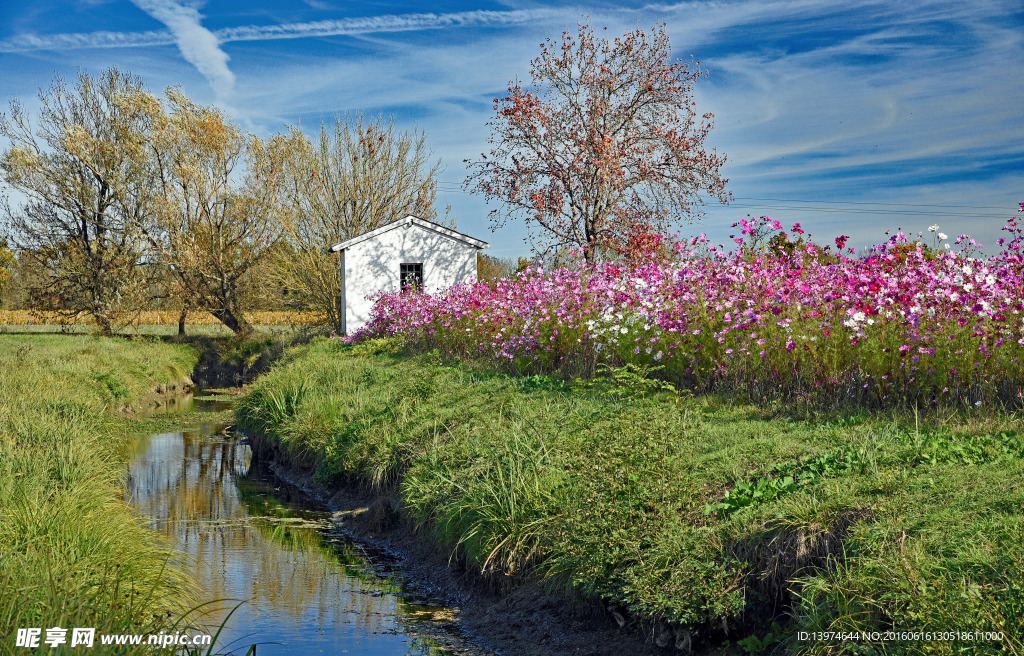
(373, 265)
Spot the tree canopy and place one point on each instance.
(606, 147)
(216, 200)
(85, 185)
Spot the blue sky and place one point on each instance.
(853, 118)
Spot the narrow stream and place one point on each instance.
(307, 588)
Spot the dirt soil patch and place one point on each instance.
(516, 619)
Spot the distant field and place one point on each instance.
(157, 323)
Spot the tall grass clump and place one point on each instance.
(72, 553)
(903, 324)
(499, 511)
(693, 519)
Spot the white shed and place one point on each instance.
(410, 251)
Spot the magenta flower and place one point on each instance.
(700, 312)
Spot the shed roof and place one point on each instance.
(407, 221)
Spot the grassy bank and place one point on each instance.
(697, 520)
(72, 553)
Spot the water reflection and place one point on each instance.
(308, 588)
(190, 401)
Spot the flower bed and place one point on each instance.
(777, 317)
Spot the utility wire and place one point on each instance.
(853, 207)
(857, 210)
(854, 202)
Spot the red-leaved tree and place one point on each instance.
(606, 143)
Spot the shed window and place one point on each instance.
(411, 275)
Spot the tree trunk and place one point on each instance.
(103, 324)
(339, 315)
(235, 321)
(181, 322)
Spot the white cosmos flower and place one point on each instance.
(943, 236)
(933, 228)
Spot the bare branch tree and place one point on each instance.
(357, 176)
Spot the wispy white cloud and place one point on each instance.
(73, 41)
(198, 45)
(389, 23)
(202, 44)
(864, 100)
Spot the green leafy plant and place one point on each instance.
(629, 380)
(755, 645)
(747, 494)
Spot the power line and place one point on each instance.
(857, 210)
(854, 202)
(852, 207)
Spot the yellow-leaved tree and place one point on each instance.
(7, 263)
(217, 197)
(81, 174)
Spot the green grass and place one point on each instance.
(687, 514)
(72, 553)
